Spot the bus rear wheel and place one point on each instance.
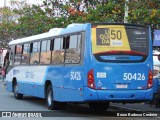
(15, 90)
(99, 106)
(53, 105)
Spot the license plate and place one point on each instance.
(121, 86)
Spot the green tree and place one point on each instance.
(35, 19)
(107, 12)
(6, 26)
(145, 12)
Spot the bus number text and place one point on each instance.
(75, 75)
(135, 76)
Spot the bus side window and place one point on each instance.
(11, 56)
(25, 54)
(58, 51)
(67, 41)
(73, 49)
(18, 52)
(6, 60)
(45, 52)
(34, 53)
(10, 59)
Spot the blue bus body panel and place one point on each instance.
(67, 81)
(27, 89)
(72, 84)
(55, 74)
(9, 86)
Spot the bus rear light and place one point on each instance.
(90, 79)
(150, 80)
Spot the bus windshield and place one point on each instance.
(120, 43)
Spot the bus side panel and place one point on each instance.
(40, 89)
(71, 95)
(72, 83)
(9, 86)
(30, 80)
(33, 89)
(56, 92)
(75, 74)
(55, 75)
(21, 87)
(9, 78)
(25, 87)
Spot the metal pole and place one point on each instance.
(3, 11)
(3, 8)
(5, 3)
(126, 12)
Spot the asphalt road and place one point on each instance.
(35, 105)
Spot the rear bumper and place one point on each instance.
(117, 95)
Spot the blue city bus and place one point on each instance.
(83, 63)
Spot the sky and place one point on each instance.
(29, 1)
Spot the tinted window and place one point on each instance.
(45, 52)
(18, 52)
(73, 49)
(35, 49)
(25, 54)
(58, 51)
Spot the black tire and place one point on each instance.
(53, 105)
(15, 90)
(99, 106)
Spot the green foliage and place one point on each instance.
(36, 19)
(145, 12)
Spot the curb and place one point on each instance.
(135, 109)
(120, 108)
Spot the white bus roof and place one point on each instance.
(52, 32)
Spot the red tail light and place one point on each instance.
(150, 80)
(90, 79)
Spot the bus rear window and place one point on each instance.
(120, 43)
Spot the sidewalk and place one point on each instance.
(144, 107)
